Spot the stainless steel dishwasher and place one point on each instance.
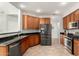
(14, 49)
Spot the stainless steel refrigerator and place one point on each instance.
(45, 34)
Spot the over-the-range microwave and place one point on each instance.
(73, 25)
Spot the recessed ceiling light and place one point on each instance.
(38, 10)
(56, 12)
(22, 6)
(63, 3)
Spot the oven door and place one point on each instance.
(69, 44)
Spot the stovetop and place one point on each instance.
(70, 35)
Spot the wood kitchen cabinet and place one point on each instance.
(36, 23)
(24, 22)
(68, 21)
(65, 22)
(73, 17)
(30, 22)
(34, 39)
(27, 42)
(62, 39)
(24, 45)
(47, 20)
(44, 20)
(76, 15)
(4, 51)
(76, 47)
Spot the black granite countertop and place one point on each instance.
(62, 33)
(8, 38)
(73, 36)
(23, 32)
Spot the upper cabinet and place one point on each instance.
(36, 23)
(30, 22)
(33, 23)
(76, 14)
(65, 22)
(73, 17)
(44, 20)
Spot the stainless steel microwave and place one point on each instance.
(73, 25)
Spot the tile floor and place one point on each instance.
(55, 50)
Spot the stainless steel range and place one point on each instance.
(69, 43)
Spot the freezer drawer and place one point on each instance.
(46, 41)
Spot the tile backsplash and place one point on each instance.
(74, 31)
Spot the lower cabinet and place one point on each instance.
(76, 47)
(62, 39)
(29, 41)
(34, 40)
(24, 45)
(4, 51)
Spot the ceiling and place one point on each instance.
(47, 8)
(7, 8)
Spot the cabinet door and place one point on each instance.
(76, 15)
(35, 23)
(24, 22)
(62, 39)
(31, 40)
(42, 21)
(72, 17)
(24, 45)
(65, 22)
(68, 21)
(47, 20)
(76, 47)
(27, 22)
(30, 22)
(34, 39)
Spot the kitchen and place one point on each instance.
(26, 27)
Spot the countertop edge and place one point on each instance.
(19, 37)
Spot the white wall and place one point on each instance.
(9, 18)
(3, 23)
(12, 23)
(56, 21)
(72, 31)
